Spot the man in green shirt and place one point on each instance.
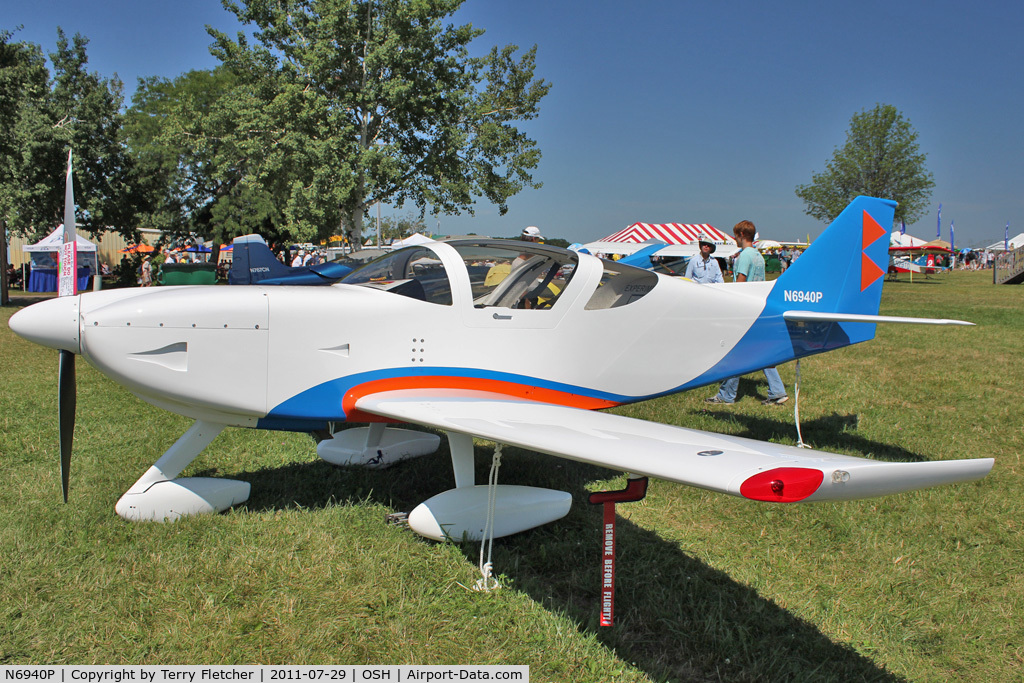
(749, 267)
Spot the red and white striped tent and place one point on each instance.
(680, 239)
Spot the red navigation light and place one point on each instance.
(782, 484)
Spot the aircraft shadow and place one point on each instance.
(825, 433)
(915, 282)
(677, 618)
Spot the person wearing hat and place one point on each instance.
(531, 234)
(147, 273)
(702, 268)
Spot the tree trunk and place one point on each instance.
(355, 231)
(4, 297)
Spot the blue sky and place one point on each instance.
(688, 112)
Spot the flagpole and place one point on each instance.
(952, 243)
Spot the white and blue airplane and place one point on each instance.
(466, 337)
(253, 263)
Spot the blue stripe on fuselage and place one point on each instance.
(829, 277)
(323, 402)
(771, 340)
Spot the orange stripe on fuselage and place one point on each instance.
(494, 386)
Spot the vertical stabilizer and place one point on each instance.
(252, 261)
(843, 270)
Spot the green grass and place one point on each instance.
(924, 586)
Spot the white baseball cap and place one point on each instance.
(532, 231)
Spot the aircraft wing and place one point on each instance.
(728, 464)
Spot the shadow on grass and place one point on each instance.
(677, 618)
(833, 431)
(919, 280)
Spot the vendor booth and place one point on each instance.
(45, 254)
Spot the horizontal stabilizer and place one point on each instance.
(733, 465)
(818, 317)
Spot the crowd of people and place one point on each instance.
(975, 259)
(303, 257)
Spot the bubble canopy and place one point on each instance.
(501, 273)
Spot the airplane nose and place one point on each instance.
(53, 323)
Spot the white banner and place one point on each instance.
(262, 674)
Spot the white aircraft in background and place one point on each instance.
(467, 337)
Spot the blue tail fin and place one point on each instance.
(252, 261)
(840, 274)
(843, 270)
(642, 257)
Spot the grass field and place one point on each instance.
(924, 586)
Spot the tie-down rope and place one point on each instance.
(487, 582)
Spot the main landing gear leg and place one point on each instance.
(158, 496)
(461, 446)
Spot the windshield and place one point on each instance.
(415, 272)
(515, 274)
(621, 285)
(670, 266)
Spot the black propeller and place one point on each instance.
(66, 378)
(66, 407)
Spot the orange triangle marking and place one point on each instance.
(870, 231)
(869, 272)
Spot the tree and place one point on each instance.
(76, 110)
(398, 227)
(44, 117)
(23, 79)
(82, 112)
(881, 158)
(175, 131)
(345, 103)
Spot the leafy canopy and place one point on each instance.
(41, 118)
(23, 88)
(881, 158)
(344, 103)
(179, 132)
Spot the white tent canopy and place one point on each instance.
(669, 251)
(411, 241)
(623, 248)
(1015, 243)
(53, 241)
(897, 239)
